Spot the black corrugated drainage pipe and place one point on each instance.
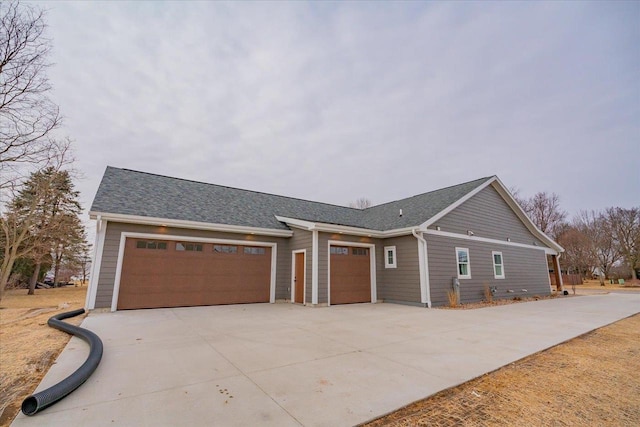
(39, 401)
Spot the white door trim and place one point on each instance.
(372, 265)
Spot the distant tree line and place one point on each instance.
(595, 242)
(40, 226)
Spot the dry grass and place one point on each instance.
(495, 302)
(28, 347)
(592, 380)
(452, 296)
(595, 284)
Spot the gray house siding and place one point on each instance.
(302, 239)
(487, 215)
(524, 268)
(400, 284)
(323, 252)
(112, 244)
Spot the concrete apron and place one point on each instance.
(283, 364)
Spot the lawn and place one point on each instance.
(28, 347)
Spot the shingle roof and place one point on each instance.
(128, 192)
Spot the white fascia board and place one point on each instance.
(135, 219)
(515, 206)
(457, 203)
(307, 225)
(344, 229)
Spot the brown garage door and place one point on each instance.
(159, 273)
(350, 275)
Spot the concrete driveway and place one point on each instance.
(287, 365)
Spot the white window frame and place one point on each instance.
(392, 250)
(463, 276)
(493, 261)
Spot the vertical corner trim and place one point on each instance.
(423, 263)
(94, 275)
(314, 267)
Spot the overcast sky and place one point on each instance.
(335, 101)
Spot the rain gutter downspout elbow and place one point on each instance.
(424, 262)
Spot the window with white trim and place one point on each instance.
(498, 265)
(464, 264)
(390, 257)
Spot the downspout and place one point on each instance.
(424, 260)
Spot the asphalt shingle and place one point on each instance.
(128, 192)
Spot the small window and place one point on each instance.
(250, 250)
(360, 251)
(142, 244)
(338, 250)
(389, 257)
(464, 266)
(498, 265)
(194, 247)
(225, 249)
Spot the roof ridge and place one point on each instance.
(235, 188)
(432, 191)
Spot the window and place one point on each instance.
(338, 250)
(360, 251)
(389, 257)
(464, 267)
(254, 251)
(225, 249)
(143, 244)
(498, 265)
(197, 247)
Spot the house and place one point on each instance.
(167, 242)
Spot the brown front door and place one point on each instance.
(178, 274)
(350, 275)
(299, 278)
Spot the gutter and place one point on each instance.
(423, 261)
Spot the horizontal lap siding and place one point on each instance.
(323, 240)
(302, 239)
(112, 243)
(487, 215)
(523, 268)
(403, 282)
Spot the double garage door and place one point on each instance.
(159, 273)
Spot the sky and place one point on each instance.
(332, 101)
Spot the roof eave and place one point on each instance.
(196, 225)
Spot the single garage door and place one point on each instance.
(158, 273)
(350, 275)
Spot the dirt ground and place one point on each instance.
(591, 380)
(28, 347)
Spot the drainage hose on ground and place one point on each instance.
(39, 401)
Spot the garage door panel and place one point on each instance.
(350, 277)
(171, 278)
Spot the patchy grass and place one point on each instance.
(28, 347)
(590, 380)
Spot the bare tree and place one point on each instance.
(361, 203)
(625, 224)
(545, 212)
(579, 254)
(27, 115)
(597, 227)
